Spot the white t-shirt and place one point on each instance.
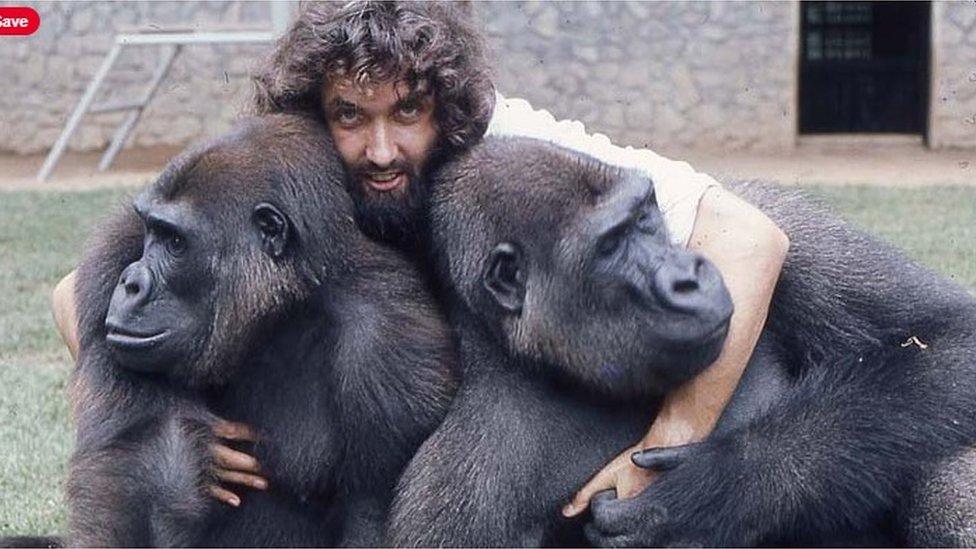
(677, 186)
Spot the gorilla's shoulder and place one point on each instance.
(499, 166)
(523, 150)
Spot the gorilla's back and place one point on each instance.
(841, 287)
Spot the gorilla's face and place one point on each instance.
(210, 274)
(571, 261)
(161, 309)
(612, 302)
(386, 136)
(239, 231)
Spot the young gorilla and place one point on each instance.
(570, 305)
(241, 287)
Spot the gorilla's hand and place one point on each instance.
(688, 505)
(621, 476)
(231, 466)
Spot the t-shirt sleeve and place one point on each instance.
(678, 187)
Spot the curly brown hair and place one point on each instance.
(432, 46)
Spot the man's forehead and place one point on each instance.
(346, 90)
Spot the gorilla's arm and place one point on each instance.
(470, 484)
(115, 476)
(829, 460)
(389, 345)
(748, 249)
(837, 449)
(507, 456)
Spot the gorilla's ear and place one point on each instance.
(273, 229)
(505, 277)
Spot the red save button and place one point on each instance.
(18, 21)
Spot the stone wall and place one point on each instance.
(46, 74)
(678, 74)
(669, 75)
(695, 74)
(952, 116)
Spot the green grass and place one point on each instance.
(42, 236)
(41, 239)
(936, 225)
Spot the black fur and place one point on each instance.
(326, 342)
(826, 440)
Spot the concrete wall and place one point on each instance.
(669, 75)
(952, 114)
(711, 75)
(46, 74)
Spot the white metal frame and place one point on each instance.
(172, 43)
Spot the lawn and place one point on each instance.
(42, 236)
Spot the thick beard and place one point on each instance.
(399, 217)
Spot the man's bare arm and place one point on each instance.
(65, 312)
(748, 249)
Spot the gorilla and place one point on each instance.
(574, 315)
(239, 286)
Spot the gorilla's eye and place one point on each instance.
(645, 221)
(611, 242)
(177, 243)
(174, 241)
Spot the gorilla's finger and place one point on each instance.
(228, 458)
(605, 509)
(598, 539)
(230, 430)
(224, 496)
(601, 498)
(662, 459)
(243, 479)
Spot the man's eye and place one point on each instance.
(347, 116)
(410, 110)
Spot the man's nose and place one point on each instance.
(381, 149)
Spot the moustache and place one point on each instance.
(367, 169)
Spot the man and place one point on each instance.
(404, 87)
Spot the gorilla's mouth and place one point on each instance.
(705, 339)
(125, 339)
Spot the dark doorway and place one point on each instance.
(864, 67)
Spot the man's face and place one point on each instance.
(385, 137)
(382, 132)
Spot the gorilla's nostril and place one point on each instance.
(135, 281)
(685, 286)
(131, 288)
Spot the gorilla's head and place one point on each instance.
(237, 232)
(569, 262)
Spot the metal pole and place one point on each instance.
(133, 117)
(280, 17)
(69, 128)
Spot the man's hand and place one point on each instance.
(620, 475)
(231, 466)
